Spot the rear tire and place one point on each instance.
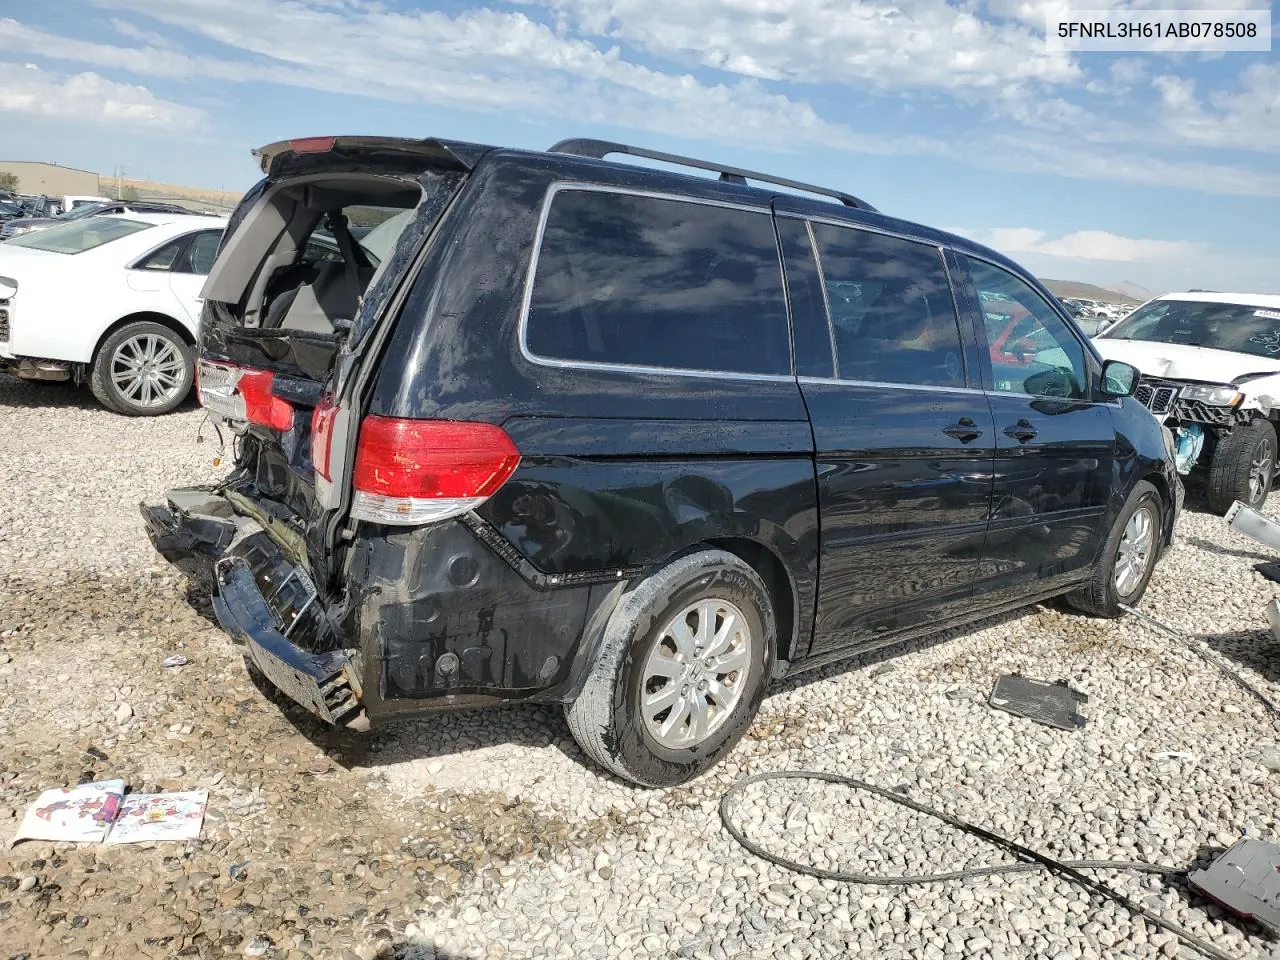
(1243, 467)
(1117, 575)
(163, 363)
(647, 677)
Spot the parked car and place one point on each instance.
(558, 447)
(35, 206)
(72, 203)
(1094, 325)
(11, 211)
(111, 300)
(107, 208)
(1210, 367)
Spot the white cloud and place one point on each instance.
(1099, 256)
(482, 59)
(1246, 118)
(583, 66)
(1084, 245)
(89, 98)
(900, 44)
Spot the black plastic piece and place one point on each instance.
(1246, 881)
(1053, 704)
(599, 149)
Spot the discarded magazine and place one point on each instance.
(100, 812)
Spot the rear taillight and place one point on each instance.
(419, 471)
(322, 420)
(241, 393)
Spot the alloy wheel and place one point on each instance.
(1260, 468)
(1137, 549)
(694, 678)
(147, 370)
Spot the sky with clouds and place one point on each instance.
(1157, 169)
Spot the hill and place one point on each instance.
(126, 188)
(1086, 291)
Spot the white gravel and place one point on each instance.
(1169, 767)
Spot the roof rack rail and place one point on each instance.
(599, 149)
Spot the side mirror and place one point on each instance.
(1119, 379)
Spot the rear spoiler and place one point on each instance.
(372, 152)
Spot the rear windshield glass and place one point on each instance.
(80, 235)
(643, 281)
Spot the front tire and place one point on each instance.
(144, 369)
(1243, 467)
(680, 672)
(1128, 558)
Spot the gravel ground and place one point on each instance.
(489, 835)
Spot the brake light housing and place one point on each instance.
(312, 144)
(242, 393)
(412, 472)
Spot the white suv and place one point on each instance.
(1210, 366)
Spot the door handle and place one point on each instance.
(1022, 431)
(963, 430)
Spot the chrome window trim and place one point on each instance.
(1041, 396)
(641, 369)
(819, 381)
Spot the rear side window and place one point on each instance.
(893, 319)
(202, 252)
(645, 281)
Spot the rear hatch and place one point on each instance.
(315, 262)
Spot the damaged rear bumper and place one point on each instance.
(260, 597)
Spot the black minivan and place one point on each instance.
(518, 425)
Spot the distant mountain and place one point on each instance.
(1088, 291)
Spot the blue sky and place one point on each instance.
(1157, 169)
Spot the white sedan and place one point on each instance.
(112, 300)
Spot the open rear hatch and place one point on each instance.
(314, 264)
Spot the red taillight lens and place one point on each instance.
(417, 471)
(260, 405)
(312, 144)
(239, 393)
(322, 420)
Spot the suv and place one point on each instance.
(632, 441)
(1210, 367)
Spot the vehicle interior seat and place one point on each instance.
(314, 305)
(317, 295)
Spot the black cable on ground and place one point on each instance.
(1030, 860)
(1208, 656)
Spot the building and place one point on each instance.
(49, 179)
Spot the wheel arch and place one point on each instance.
(145, 316)
(777, 580)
